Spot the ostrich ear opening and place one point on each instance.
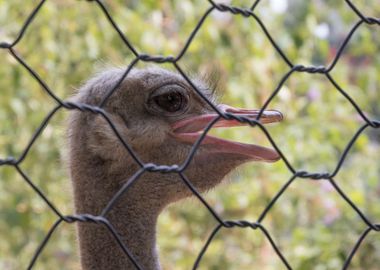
(102, 138)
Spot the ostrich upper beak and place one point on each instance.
(188, 131)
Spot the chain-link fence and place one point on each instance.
(179, 169)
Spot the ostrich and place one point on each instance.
(160, 116)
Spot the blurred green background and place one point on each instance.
(313, 226)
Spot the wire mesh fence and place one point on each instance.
(180, 169)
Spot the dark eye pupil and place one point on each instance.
(171, 102)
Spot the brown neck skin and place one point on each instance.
(100, 166)
(133, 216)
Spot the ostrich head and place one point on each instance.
(160, 116)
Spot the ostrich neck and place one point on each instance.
(133, 216)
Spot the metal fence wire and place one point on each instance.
(180, 168)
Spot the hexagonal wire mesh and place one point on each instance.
(180, 168)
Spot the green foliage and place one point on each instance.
(313, 226)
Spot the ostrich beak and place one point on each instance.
(188, 131)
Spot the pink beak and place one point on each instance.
(187, 131)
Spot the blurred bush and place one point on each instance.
(313, 226)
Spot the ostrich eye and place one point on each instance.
(171, 102)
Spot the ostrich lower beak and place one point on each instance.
(188, 131)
